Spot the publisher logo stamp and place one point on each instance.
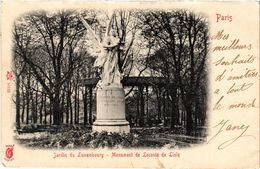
(9, 152)
(9, 75)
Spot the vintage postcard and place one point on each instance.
(129, 84)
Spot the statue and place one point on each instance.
(110, 95)
(107, 60)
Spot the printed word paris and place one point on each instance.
(221, 17)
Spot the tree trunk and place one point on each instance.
(174, 106)
(27, 106)
(172, 114)
(33, 109)
(164, 109)
(78, 106)
(85, 98)
(45, 108)
(28, 100)
(70, 109)
(138, 109)
(36, 104)
(62, 106)
(51, 111)
(141, 90)
(18, 124)
(41, 107)
(159, 107)
(67, 106)
(56, 107)
(70, 104)
(24, 104)
(189, 125)
(90, 106)
(75, 106)
(147, 106)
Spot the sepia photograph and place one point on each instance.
(117, 79)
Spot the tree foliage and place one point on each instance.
(53, 52)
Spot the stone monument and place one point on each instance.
(110, 115)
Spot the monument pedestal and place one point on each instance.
(111, 110)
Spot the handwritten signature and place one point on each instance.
(224, 127)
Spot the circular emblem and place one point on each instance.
(9, 152)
